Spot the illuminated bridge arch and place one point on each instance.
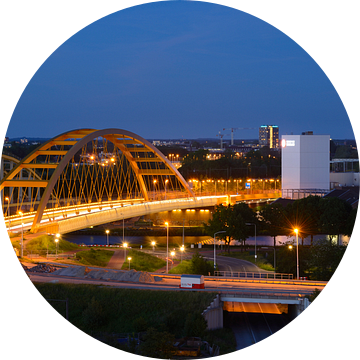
(84, 167)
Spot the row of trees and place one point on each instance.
(311, 216)
(317, 262)
(262, 163)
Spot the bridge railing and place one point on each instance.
(199, 192)
(255, 275)
(227, 296)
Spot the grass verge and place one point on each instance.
(92, 257)
(142, 261)
(45, 243)
(261, 261)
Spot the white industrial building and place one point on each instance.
(305, 164)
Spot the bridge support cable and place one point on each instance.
(88, 167)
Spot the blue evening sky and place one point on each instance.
(180, 70)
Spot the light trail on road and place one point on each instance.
(171, 283)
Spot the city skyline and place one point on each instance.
(184, 64)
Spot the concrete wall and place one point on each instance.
(214, 314)
(345, 179)
(305, 161)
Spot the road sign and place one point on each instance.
(247, 185)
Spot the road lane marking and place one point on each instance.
(265, 318)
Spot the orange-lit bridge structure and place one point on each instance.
(89, 177)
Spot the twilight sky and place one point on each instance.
(180, 70)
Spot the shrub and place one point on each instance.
(195, 325)
(201, 266)
(93, 316)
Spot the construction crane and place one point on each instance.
(232, 132)
(221, 137)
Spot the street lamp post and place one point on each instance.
(172, 258)
(255, 237)
(8, 207)
(153, 245)
(167, 247)
(57, 242)
(22, 234)
(129, 258)
(219, 232)
(107, 237)
(125, 246)
(154, 182)
(297, 252)
(182, 249)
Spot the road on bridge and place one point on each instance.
(286, 288)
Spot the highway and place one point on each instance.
(254, 322)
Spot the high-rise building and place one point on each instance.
(269, 136)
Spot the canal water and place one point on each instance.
(177, 240)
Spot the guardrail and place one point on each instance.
(264, 295)
(254, 275)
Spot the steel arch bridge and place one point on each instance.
(86, 169)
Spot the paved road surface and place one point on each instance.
(243, 286)
(254, 322)
(236, 265)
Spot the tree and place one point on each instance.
(158, 344)
(350, 223)
(304, 215)
(334, 215)
(218, 222)
(233, 220)
(195, 325)
(240, 215)
(200, 266)
(287, 261)
(325, 257)
(93, 316)
(272, 220)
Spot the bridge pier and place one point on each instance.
(296, 309)
(214, 314)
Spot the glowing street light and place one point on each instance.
(125, 246)
(107, 237)
(154, 183)
(296, 231)
(182, 249)
(57, 238)
(129, 258)
(8, 201)
(153, 245)
(167, 247)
